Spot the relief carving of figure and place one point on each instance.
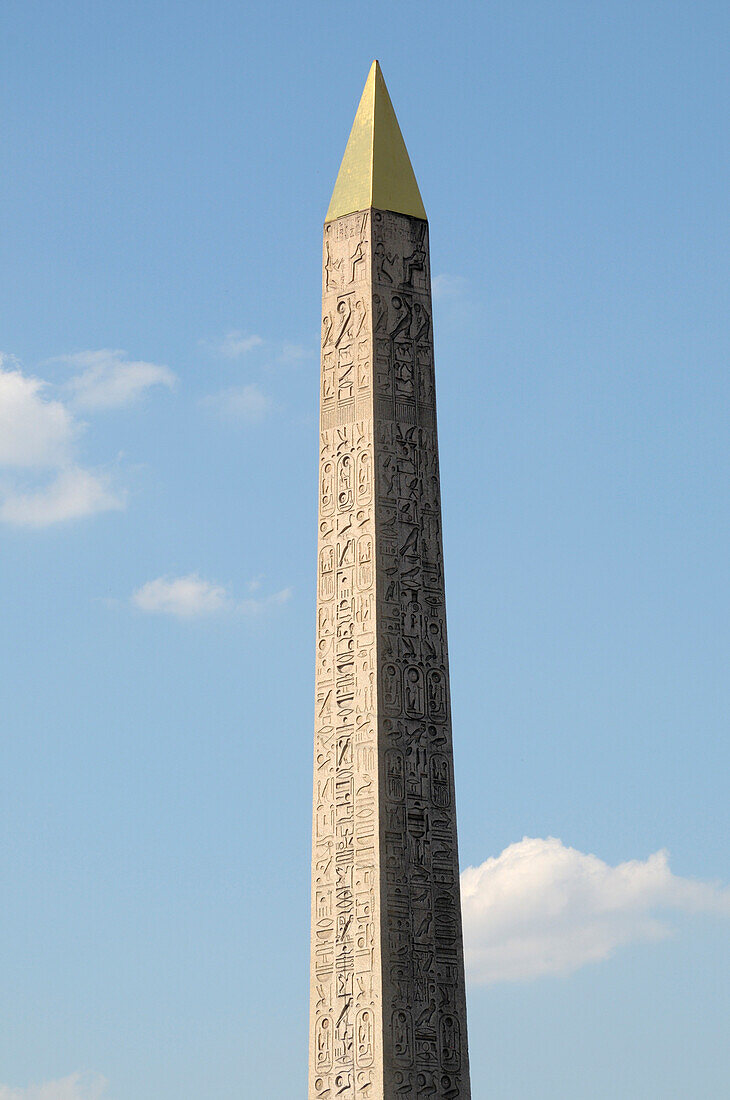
(358, 257)
(425, 385)
(380, 309)
(331, 267)
(381, 258)
(344, 308)
(422, 321)
(363, 374)
(361, 311)
(403, 324)
(425, 1021)
(422, 923)
(416, 261)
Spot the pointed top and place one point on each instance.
(375, 170)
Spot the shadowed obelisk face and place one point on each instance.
(388, 1011)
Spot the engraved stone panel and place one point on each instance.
(346, 1046)
(388, 1013)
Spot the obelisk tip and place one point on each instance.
(376, 169)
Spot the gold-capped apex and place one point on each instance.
(376, 169)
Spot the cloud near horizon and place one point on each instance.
(191, 596)
(541, 908)
(79, 1086)
(43, 482)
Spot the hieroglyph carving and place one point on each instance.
(388, 1014)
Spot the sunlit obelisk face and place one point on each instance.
(388, 1010)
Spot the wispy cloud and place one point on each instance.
(542, 908)
(260, 606)
(236, 344)
(192, 596)
(110, 380)
(44, 482)
(79, 1086)
(184, 597)
(74, 493)
(246, 403)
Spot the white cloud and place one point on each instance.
(185, 597)
(235, 344)
(79, 1086)
(191, 596)
(448, 286)
(542, 908)
(248, 403)
(108, 380)
(38, 436)
(74, 493)
(35, 431)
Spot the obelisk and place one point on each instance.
(388, 1008)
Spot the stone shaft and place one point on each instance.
(388, 1009)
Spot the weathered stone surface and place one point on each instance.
(388, 1010)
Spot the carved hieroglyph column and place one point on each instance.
(388, 1009)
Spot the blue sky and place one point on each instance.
(166, 170)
